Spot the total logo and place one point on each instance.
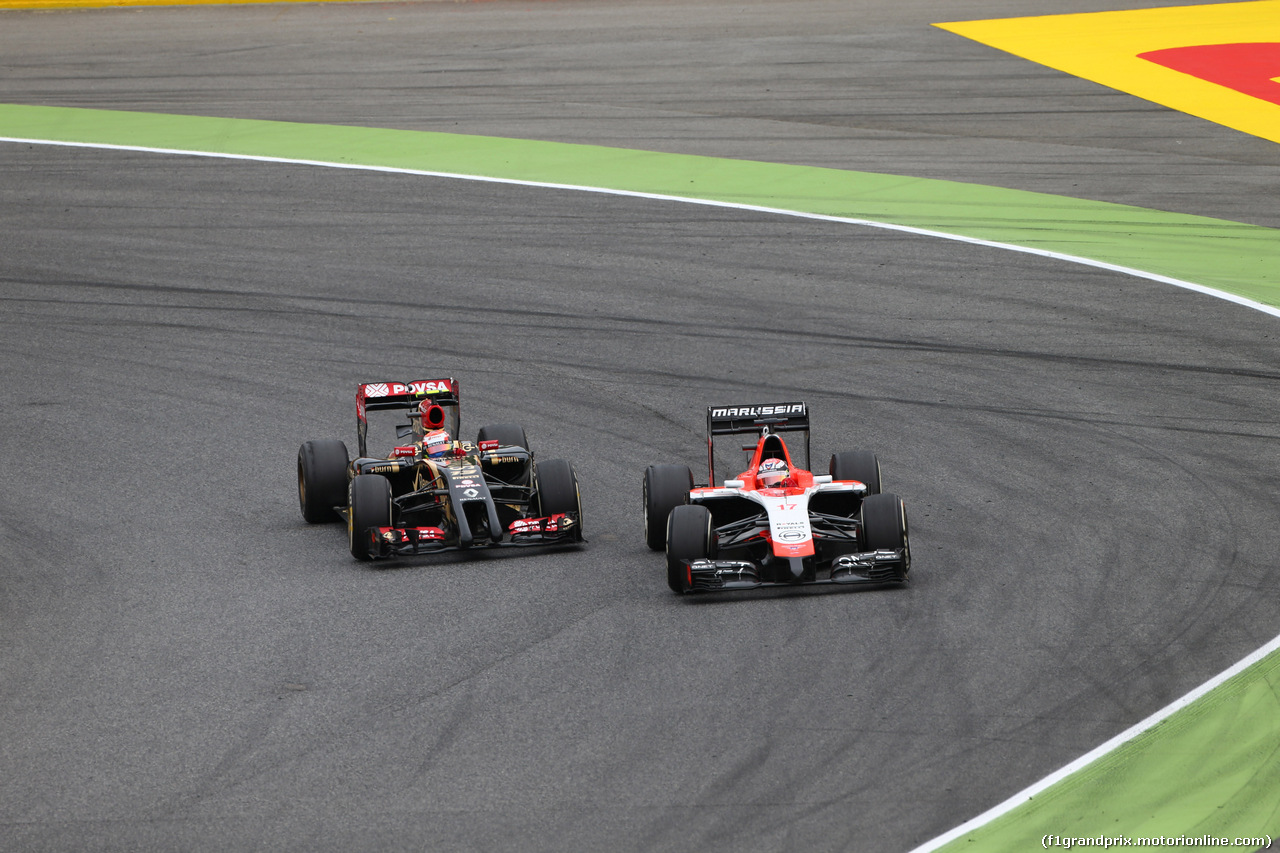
(400, 389)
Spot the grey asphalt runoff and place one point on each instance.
(1088, 459)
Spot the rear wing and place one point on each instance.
(378, 396)
(754, 420)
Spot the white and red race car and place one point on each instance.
(776, 523)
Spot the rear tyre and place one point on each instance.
(884, 526)
(689, 537)
(557, 486)
(322, 479)
(507, 435)
(860, 465)
(370, 496)
(665, 487)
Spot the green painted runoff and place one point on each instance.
(1209, 769)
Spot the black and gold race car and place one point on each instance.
(427, 491)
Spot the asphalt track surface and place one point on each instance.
(1088, 458)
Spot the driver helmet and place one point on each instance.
(771, 473)
(437, 443)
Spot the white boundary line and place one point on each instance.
(1083, 761)
(1027, 794)
(1012, 247)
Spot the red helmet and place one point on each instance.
(771, 473)
(437, 443)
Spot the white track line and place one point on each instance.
(943, 235)
(1092, 756)
(1027, 794)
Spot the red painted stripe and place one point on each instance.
(1247, 68)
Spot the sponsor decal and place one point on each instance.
(553, 524)
(490, 444)
(471, 493)
(759, 411)
(401, 389)
(792, 535)
(793, 550)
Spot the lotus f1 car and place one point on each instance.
(776, 523)
(431, 492)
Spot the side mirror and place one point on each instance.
(819, 479)
(734, 484)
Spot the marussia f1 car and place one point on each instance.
(435, 493)
(775, 524)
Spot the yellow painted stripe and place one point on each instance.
(1104, 47)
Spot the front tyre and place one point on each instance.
(665, 487)
(689, 537)
(322, 479)
(884, 527)
(370, 496)
(557, 486)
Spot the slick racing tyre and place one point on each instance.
(665, 487)
(884, 526)
(322, 479)
(507, 435)
(518, 472)
(370, 496)
(860, 465)
(557, 486)
(689, 537)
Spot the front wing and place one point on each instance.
(867, 568)
(558, 529)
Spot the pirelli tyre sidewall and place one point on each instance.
(322, 479)
(370, 496)
(689, 537)
(884, 526)
(557, 486)
(665, 487)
